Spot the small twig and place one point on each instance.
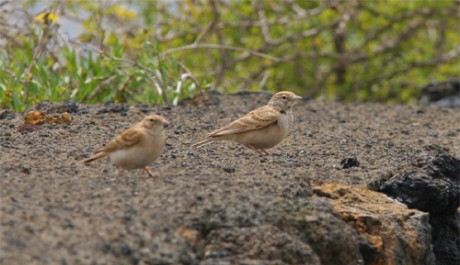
(264, 80)
(219, 77)
(99, 87)
(191, 77)
(159, 88)
(122, 90)
(263, 22)
(179, 88)
(183, 77)
(202, 33)
(217, 46)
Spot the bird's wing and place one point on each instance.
(126, 139)
(256, 119)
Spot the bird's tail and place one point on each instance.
(95, 156)
(203, 143)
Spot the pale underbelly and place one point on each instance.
(133, 158)
(261, 139)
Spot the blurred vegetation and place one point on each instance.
(163, 51)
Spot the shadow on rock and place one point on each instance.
(433, 186)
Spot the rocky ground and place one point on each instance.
(319, 198)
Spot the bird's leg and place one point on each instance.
(149, 172)
(119, 171)
(265, 152)
(254, 149)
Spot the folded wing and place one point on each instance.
(128, 138)
(254, 120)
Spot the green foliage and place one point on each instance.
(162, 51)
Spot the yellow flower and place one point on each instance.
(46, 18)
(122, 12)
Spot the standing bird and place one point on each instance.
(137, 147)
(261, 128)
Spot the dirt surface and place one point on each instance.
(222, 204)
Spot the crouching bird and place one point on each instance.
(137, 147)
(261, 128)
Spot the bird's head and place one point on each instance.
(284, 100)
(154, 122)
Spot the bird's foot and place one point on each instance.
(264, 152)
(149, 172)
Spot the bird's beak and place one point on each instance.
(296, 100)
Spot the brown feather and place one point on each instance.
(128, 138)
(254, 120)
(96, 155)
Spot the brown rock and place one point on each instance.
(37, 118)
(400, 235)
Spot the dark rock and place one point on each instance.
(86, 111)
(420, 191)
(251, 92)
(439, 90)
(49, 107)
(113, 108)
(42, 106)
(368, 251)
(303, 193)
(434, 188)
(442, 94)
(445, 166)
(25, 170)
(437, 149)
(349, 162)
(70, 107)
(144, 108)
(448, 102)
(229, 169)
(126, 250)
(7, 114)
(119, 108)
(446, 238)
(215, 92)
